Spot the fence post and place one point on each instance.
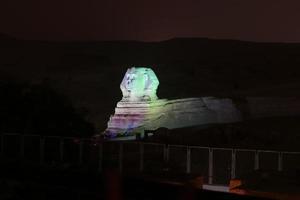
(256, 160)
(61, 149)
(100, 161)
(188, 160)
(233, 164)
(80, 151)
(22, 146)
(141, 157)
(42, 149)
(121, 157)
(210, 165)
(280, 155)
(2, 145)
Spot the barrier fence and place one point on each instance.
(217, 165)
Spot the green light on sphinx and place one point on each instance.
(139, 84)
(138, 105)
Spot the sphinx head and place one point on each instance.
(139, 84)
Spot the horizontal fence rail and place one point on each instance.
(216, 165)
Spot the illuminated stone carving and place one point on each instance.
(139, 84)
(140, 109)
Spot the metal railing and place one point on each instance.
(217, 165)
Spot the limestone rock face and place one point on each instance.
(134, 117)
(140, 109)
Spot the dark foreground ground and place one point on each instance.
(24, 182)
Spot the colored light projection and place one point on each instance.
(139, 84)
(140, 109)
(138, 87)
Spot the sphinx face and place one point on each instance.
(139, 84)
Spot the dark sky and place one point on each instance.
(151, 20)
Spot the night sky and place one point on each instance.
(153, 20)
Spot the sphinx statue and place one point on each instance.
(140, 109)
(139, 84)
